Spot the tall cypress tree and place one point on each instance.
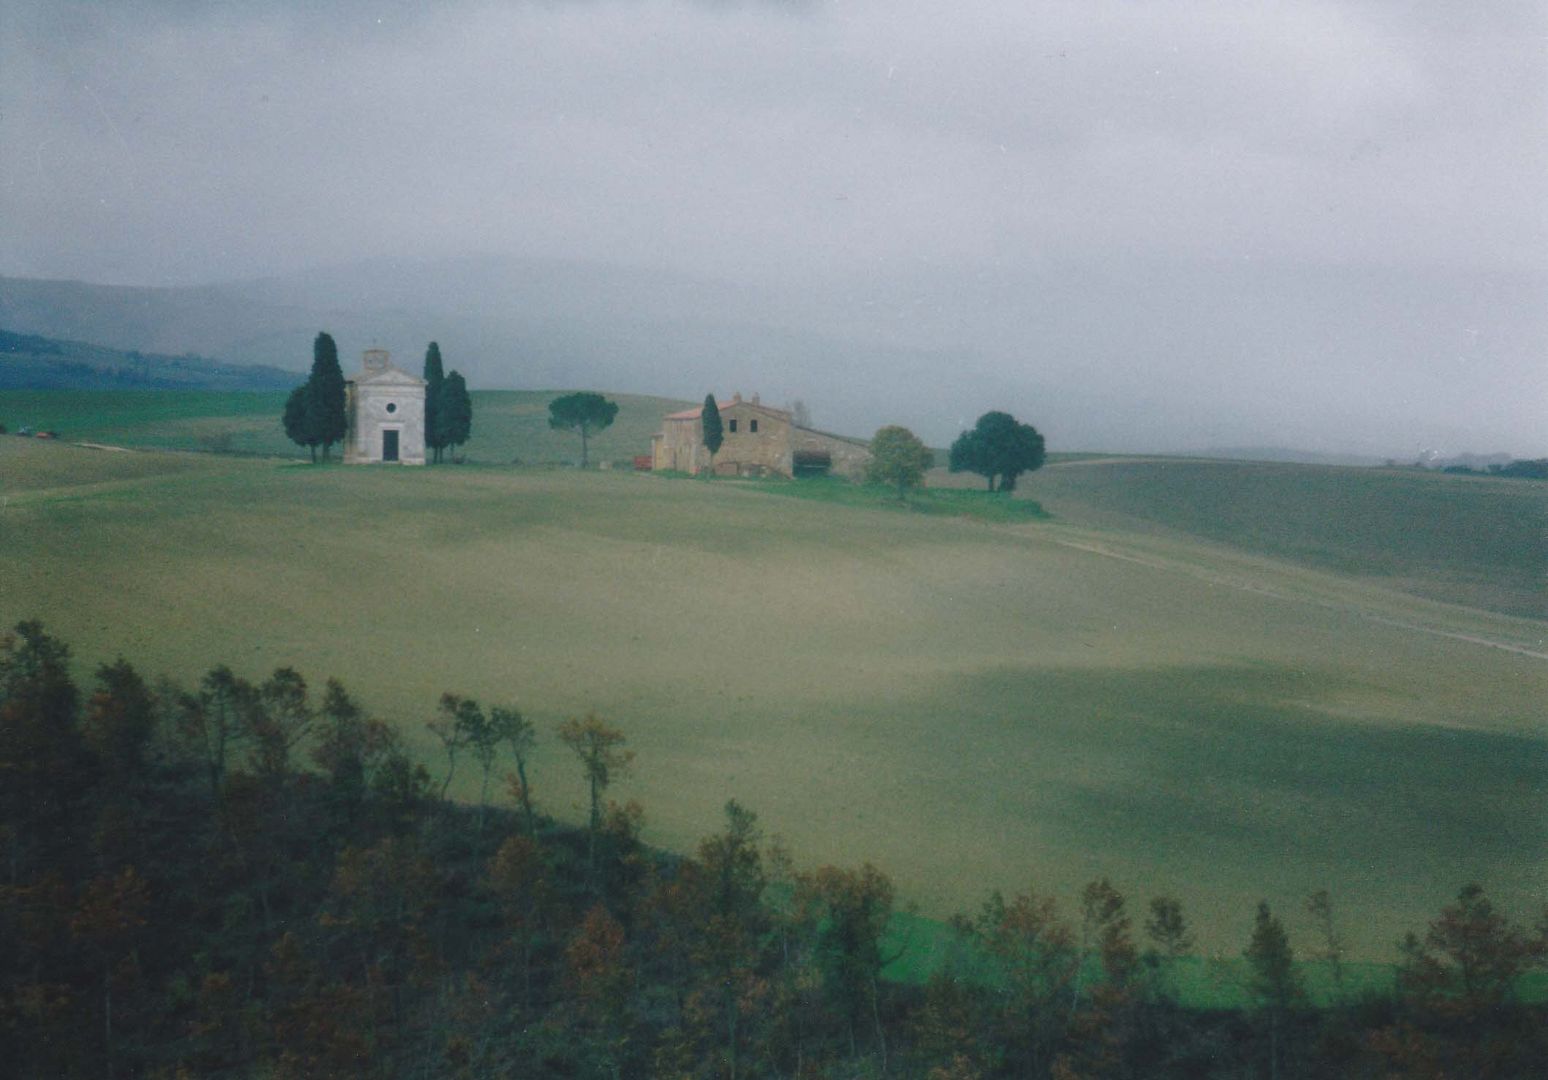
(454, 406)
(435, 377)
(326, 421)
(714, 431)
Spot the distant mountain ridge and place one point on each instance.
(35, 362)
(518, 324)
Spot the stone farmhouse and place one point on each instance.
(758, 441)
(385, 408)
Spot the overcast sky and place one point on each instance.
(1312, 223)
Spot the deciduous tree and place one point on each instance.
(599, 975)
(599, 749)
(350, 746)
(119, 719)
(857, 910)
(1170, 939)
(453, 738)
(107, 923)
(518, 877)
(519, 736)
(733, 922)
(482, 740)
(214, 722)
(282, 718)
(899, 458)
(42, 759)
(1470, 958)
(998, 448)
(1035, 950)
(1105, 931)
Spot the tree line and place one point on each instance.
(998, 447)
(250, 878)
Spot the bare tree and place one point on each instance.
(599, 748)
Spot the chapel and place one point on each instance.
(385, 407)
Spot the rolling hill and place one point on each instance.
(970, 705)
(508, 425)
(1473, 540)
(31, 362)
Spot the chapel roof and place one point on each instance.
(389, 376)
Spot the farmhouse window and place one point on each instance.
(752, 426)
(732, 425)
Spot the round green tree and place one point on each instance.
(998, 448)
(899, 458)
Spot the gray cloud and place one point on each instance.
(1324, 217)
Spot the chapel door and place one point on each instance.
(389, 446)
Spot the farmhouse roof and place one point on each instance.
(693, 414)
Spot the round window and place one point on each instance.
(392, 406)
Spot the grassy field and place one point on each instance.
(1471, 540)
(508, 425)
(968, 704)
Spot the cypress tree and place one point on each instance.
(326, 421)
(454, 407)
(714, 430)
(435, 378)
(296, 427)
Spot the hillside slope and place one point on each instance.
(1469, 540)
(32, 362)
(970, 706)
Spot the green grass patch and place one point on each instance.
(947, 502)
(925, 947)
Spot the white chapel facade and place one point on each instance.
(385, 406)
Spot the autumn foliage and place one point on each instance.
(249, 879)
